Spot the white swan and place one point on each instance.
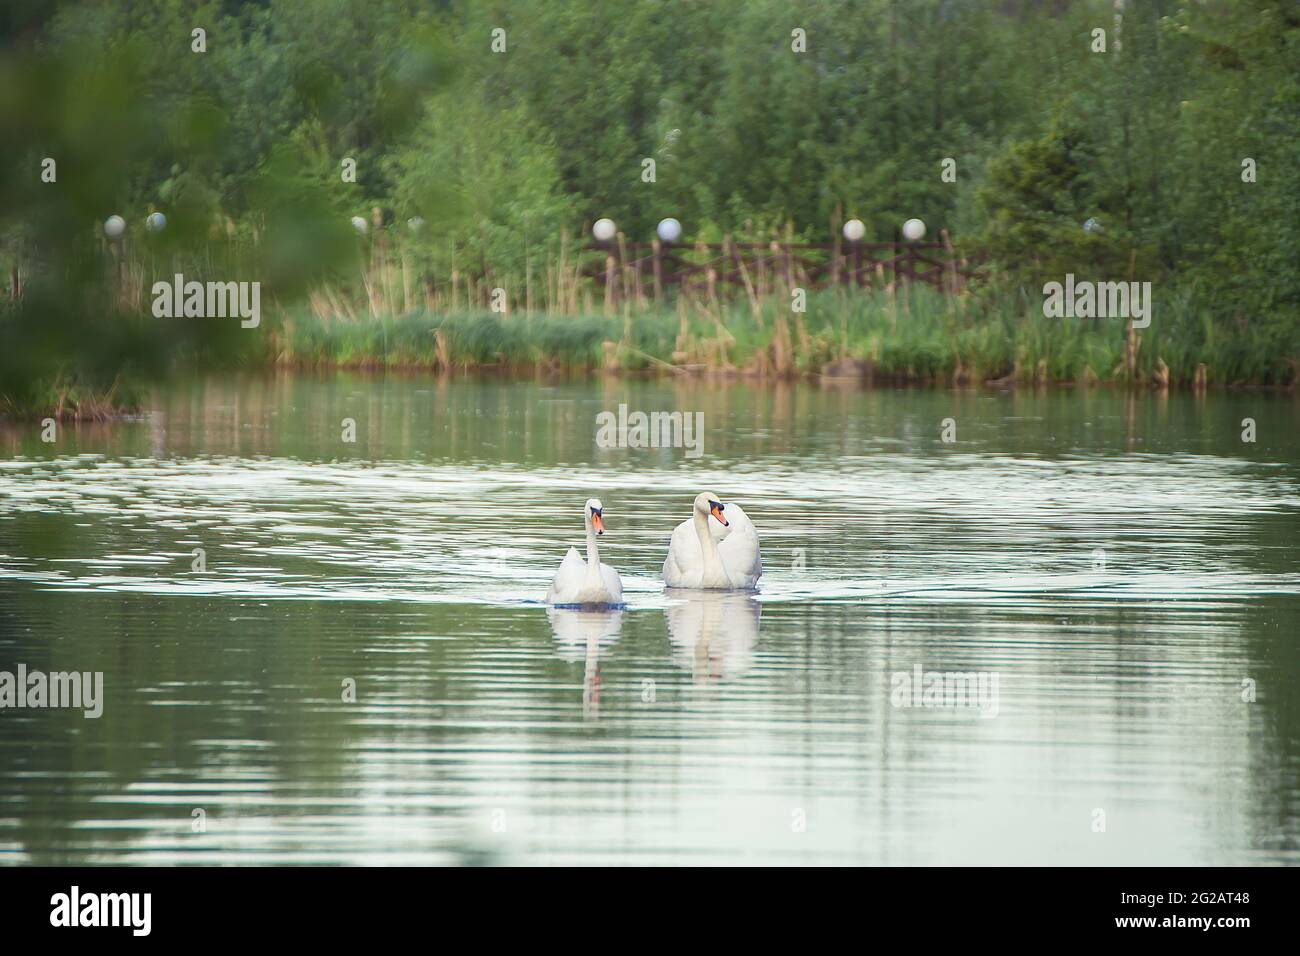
(589, 582)
(718, 555)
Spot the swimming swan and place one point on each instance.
(714, 555)
(589, 582)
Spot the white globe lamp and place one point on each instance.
(669, 230)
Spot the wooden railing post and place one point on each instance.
(761, 268)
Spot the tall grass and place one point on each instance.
(394, 314)
(911, 333)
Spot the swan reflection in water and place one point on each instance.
(712, 632)
(582, 636)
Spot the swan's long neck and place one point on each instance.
(593, 555)
(709, 547)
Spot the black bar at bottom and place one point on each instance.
(333, 906)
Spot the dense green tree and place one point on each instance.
(501, 152)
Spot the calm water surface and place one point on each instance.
(1126, 569)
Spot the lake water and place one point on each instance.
(1120, 576)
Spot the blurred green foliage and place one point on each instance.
(503, 153)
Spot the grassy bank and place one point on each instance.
(915, 335)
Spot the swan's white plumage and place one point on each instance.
(585, 582)
(571, 585)
(738, 563)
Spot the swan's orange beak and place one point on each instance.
(598, 522)
(715, 509)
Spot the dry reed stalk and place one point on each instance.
(844, 328)
(627, 321)
(659, 270)
(609, 285)
(721, 332)
(441, 351)
(950, 271)
(788, 254)
(528, 286)
(781, 344)
(370, 294)
(561, 270)
(341, 306)
(754, 307)
(836, 221)
(683, 328)
(320, 306)
(406, 283)
(455, 280)
(625, 288)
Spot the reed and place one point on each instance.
(385, 310)
(66, 399)
(907, 334)
(389, 312)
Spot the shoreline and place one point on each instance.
(518, 373)
(864, 382)
(910, 336)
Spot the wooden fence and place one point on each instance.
(643, 270)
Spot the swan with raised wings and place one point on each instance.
(586, 583)
(717, 554)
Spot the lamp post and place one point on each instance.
(667, 232)
(114, 228)
(604, 231)
(853, 231)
